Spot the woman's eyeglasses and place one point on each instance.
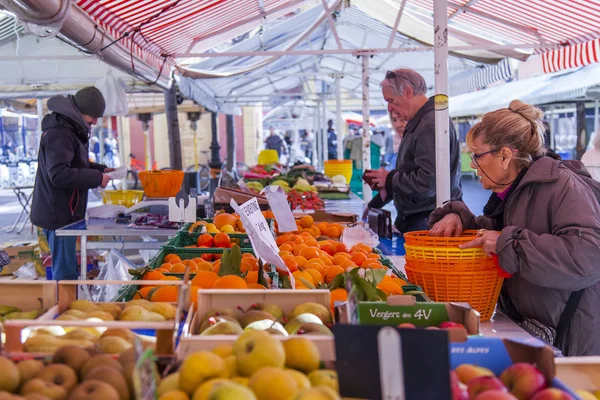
(475, 157)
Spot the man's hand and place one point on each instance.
(450, 225)
(105, 180)
(107, 170)
(487, 240)
(378, 177)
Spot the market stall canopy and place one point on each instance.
(565, 86)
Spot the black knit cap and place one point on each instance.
(90, 101)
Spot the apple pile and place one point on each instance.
(520, 381)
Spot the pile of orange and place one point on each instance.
(306, 224)
(207, 241)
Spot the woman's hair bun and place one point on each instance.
(531, 113)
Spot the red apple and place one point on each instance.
(495, 395)
(450, 324)
(406, 325)
(459, 391)
(552, 394)
(523, 380)
(483, 384)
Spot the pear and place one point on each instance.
(10, 378)
(84, 305)
(103, 315)
(110, 308)
(90, 334)
(295, 324)
(272, 309)
(113, 345)
(122, 333)
(4, 310)
(137, 313)
(214, 320)
(223, 328)
(221, 312)
(169, 311)
(76, 313)
(310, 328)
(312, 308)
(273, 327)
(255, 315)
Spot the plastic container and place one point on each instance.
(267, 157)
(449, 274)
(161, 183)
(339, 167)
(127, 198)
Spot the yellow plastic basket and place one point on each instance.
(339, 167)
(443, 253)
(267, 157)
(475, 282)
(125, 198)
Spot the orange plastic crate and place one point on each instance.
(422, 239)
(161, 183)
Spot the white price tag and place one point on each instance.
(260, 236)
(281, 208)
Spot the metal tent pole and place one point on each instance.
(314, 136)
(366, 136)
(442, 127)
(324, 138)
(596, 122)
(24, 136)
(215, 159)
(230, 125)
(338, 118)
(175, 158)
(318, 140)
(40, 114)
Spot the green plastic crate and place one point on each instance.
(184, 238)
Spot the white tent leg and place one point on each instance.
(338, 118)
(40, 114)
(366, 136)
(324, 125)
(442, 129)
(596, 122)
(315, 136)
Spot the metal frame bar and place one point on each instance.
(366, 136)
(354, 52)
(332, 24)
(396, 24)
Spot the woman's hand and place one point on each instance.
(450, 225)
(486, 239)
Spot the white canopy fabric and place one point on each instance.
(578, 84)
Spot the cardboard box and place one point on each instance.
(405, 309)
(210, 299)
(322, 216)
(19, 254)
(579, 373)
(497, 354)
(224, 196)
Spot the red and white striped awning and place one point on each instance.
(574, 56)
(155, 29)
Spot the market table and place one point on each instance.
(110, 235)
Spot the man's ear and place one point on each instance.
(408, 91)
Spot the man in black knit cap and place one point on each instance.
(65, 173)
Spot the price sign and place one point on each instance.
(260, 235)
(144, 374)
(281, 208)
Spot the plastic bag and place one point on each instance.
(26, 271)
(116, 268)
(354, 235)
(147, 255)
(119, 173)
(106, 211)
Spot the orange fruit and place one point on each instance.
(298, 248)
(296, 239)
(249, 264)
(283, 239)
(248, 255)
(373, 256)
(346, 263)
(153, 276)
(291, 263)
(171, 278)
(322, 226)
(252, 277)
(362, 247)
(215, 266)
(399, 282)
(390, 288)
(316, 232)
(316, 266)
(217, 256)
(224, 219)
(205, 279)
(328, 248)
(332, 232)
(317, 277)
(307, 221)
(309, 252)
(311, 242)
(166, 266)
(194, 294)
(170, 258)
(372, 264)
(191, 264)
(222, 240)
(230, 282)
(359, 258)
(340, 248)
(163, 270)
(285, 254)
(206, 239)
(165, 294)
(326, 260)
(339, 294)
(301, 261)
(142, 293)
(305, 275)
(178, 268)
(315, 261)
(206, 257)
(287, 247)
(204, 266)
(338, 257)
(256, 286)
(332, 271)
(197, 260)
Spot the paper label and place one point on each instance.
(281, 208)
(260, 235)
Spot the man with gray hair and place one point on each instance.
(411, 185)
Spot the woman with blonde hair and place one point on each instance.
(542, 222)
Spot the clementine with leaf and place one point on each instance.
(230, 282)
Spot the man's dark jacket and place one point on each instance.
(412, 183)
(65, 173)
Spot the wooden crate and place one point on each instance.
(287, 299)
(28, 295)
(67, 293)
(579, 373)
